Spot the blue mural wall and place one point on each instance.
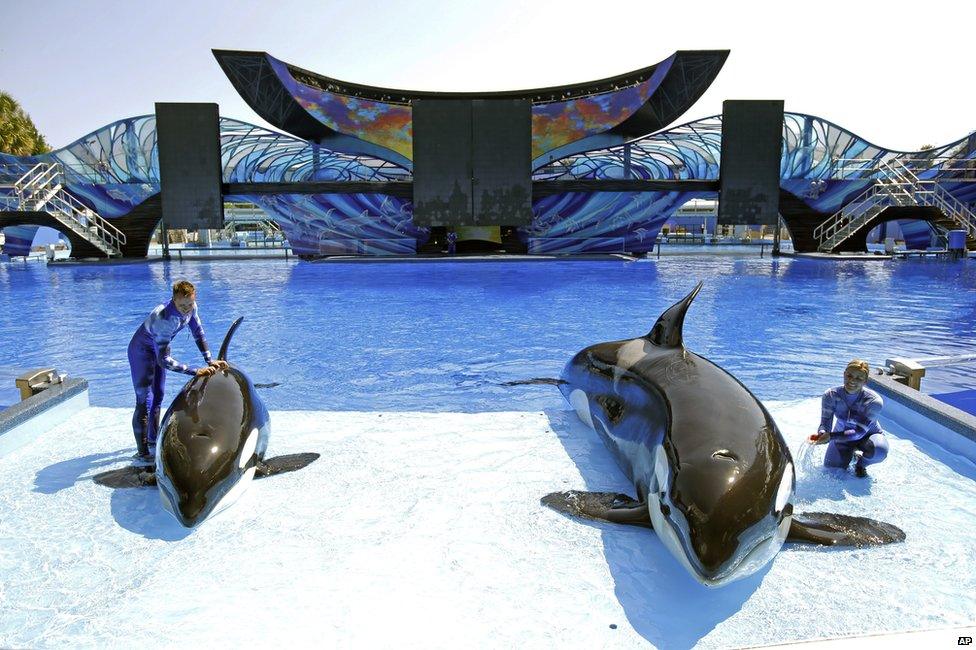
(343, 224)
(115, 168)
(812, 166)
(604, 222)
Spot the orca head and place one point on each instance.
(724, 513)
(205, 445)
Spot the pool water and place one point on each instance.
(445, 336)
(423, 511)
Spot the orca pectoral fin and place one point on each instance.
(829, 529)
(127, 477)
(612, 507)
(283, 464)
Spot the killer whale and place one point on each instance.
(714, 477)
(211, 444)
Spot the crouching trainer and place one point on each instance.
(853, 411)
(150, 358)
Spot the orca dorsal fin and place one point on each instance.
(667, 330)
(230, 334)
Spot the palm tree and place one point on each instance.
(18, 135)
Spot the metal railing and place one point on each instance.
(88, 223)
(40, 189)
(867, 168)
(38, 184)
(960, 169)
(895, 184)
(329, 245)
(206, 252)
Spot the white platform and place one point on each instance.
(425, 530)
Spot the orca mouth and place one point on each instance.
(193, 511)
(759, 555)
(731, 572)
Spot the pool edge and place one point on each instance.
(29, 418)
(927, 417)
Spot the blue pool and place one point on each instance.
(424, 509)
(444, 336)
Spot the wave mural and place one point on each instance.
(600, 222)
(115, 169)
(343, 224)
(812, 167)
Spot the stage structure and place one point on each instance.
(589, 167)
(471, 154)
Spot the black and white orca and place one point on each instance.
(714, 476)
(211, 444)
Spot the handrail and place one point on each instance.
(896, 184)
(30, 176)
(944, 164)
(41, 186)
(90, 220)
(241, 252)
(846, 215)
(867, 168)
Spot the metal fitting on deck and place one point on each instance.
(34, 381)
(906, 371)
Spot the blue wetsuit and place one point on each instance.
(149, 359)
(855, 426)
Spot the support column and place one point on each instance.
(164, 238)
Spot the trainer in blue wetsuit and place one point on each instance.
(150, 358)
(849, 420)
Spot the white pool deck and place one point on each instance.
(425, 530)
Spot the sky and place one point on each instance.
(895, 73)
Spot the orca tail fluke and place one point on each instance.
(222, 356)
(667, 330)
(829, 529)
(612, 507)
(283, 464)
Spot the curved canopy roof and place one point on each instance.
(362, 119)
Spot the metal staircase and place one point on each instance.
(40, 189)
(894, 185)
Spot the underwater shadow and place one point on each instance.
(139, 510)
(663, 604)
(135, 509)
(66, 473)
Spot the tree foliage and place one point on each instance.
(18, 135)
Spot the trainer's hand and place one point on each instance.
(219, 364)
(206, 371)
(820, 438)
